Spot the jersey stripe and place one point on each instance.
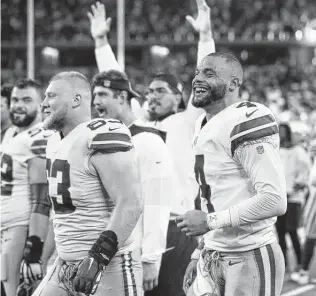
(111, 137)
(260, 267)
(248, 125)
(38, 147)
(114, 146)
(254, 135)
(111, 142)
(272, 268)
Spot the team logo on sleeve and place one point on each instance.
(260, 149)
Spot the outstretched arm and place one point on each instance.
(100, 27)
(206, 45)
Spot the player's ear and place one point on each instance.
(234, 84)
(123, 97)
(76, 101)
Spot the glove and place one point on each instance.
(31, 275)
(87, 274)
(33, 249)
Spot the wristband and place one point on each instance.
(33, 249)
(196, 254)
(104, 248)
(226, 218)
(218, 220)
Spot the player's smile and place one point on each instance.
(18, 113)
(200, 90)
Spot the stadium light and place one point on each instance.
(30, 40)
(121, 33)
(310, 32)
(160, 51)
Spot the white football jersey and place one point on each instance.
(16, 151)
(223, 180)
(81, 206)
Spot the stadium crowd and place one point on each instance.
(252, 166)
(65, 20)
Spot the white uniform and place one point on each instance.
(81, 206)
(158, 188)
(16, 151)
(296, 164)
(228, 177)
(82, 209)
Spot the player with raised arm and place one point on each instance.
(95, 191)
(112, 94)
(24, 201)
(165, 95)
(242, 188)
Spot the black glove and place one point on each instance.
(87, 274)
(33, 249)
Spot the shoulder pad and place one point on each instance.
(38, 140)
(255, 121)
(137, 129)
(108, 135)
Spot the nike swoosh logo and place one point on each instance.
(113, 129)
(249, 114)
(233, 263)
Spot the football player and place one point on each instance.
(24, 201)
(166, 99)
(94, 187)
(242, 188)
(112, 99)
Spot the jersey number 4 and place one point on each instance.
(59, 183)
(205, 189)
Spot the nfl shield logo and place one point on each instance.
(106, 83)
(260, 149)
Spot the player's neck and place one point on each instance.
(214, 108)
(128, 118)
(70, 125)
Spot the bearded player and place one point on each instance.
(24, 202)
(242, 188)
(94, 187)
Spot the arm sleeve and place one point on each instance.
(106, 59)
(156, 180)
(262, 163)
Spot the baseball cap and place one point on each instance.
(173, 82)
(120, 84)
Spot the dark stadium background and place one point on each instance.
(274, 39)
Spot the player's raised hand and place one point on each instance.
(99, 24)
(202, 23)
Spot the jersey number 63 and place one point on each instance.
(59, 183)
